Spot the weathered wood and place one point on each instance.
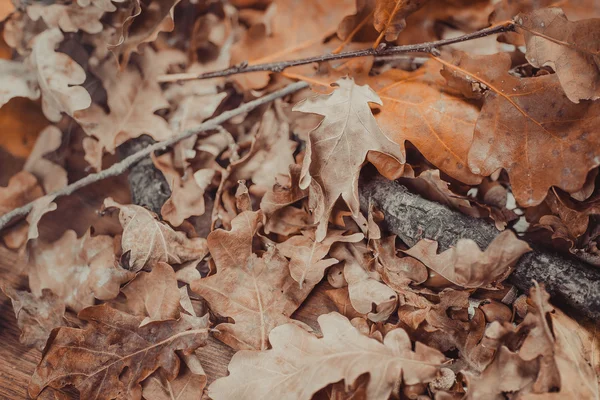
(569, 281)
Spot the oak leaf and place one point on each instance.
(153, 295)
(572, 49)
(40, 207)
(300, 364)
(58, 77)
(69, 18)
(439, 125)
(389, 16)
(258, 294)
(17, 80)
(283, 193)
(528, 127)
(52, 176)
(188, 385)
(466, 265)
(36, 316)
(341, 144)
(284, 39)
(159, 242)
(111, 356)
(77, 270)
(307, 256)
(397, 272)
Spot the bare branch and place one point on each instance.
(126, 163)
(429, 47)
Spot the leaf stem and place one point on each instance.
(279, 66)
(126, 163)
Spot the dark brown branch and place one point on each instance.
(128, 162)
(430, 47)
(411, 217)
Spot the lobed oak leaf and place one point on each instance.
(188, 385)
(397, 272)
(359, 26)
(104, 5)
(36, 315)
(389, 16)
(133, 99)
(22, 188)
(258, 294)
(69, 18)
(528, 127)
(41, 207)
(367, 294)
(572, 49)
(153, 295)
(17, 80)
(300, 364)
(298, 29)
(58, 77)
(111, 356)
(76, 270)
(466, 265)
(439, 125)
(159, 241)
(341, 144)
(307, 256)
(52, 176)
(282, 195)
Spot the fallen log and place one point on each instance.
(570, 282)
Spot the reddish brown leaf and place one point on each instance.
(390, 16)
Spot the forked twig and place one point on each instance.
(126, 163)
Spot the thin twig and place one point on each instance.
(430, 47)
(126, 163)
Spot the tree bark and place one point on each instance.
(570, 282)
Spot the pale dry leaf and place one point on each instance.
(105, 5)
(367, 294)
(188, 385)
(77, 270)
(69, 18)
(36, 316)
(52, 176)
(17, 80)
(153, 295)
(159, 242)
(300, 364)
(397, 272)
(307, 256)
(572, 49)
(257, 293)
(340, 145)
(110, 357)
(41, 206)
(58, 77)
(466, 265)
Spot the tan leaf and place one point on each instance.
(76, 270)
(153, 295)
(105, 5)
(523, 128)
(397, 272)
(572, 49)
(159, 242)
(111, 356)
(284, 194)
(58, 77)
(188, 385)
(300, 364)
(52, 176)
(22, 188)
(367, 294)
(17, 80)
(340, 144)
(69, 18)
(36, 316)
(390, 16)
(466, 265)
(438, 124)
(258, 294)
(307, 256)
(41, 206)
(133, 99)
(280, 38)
(143, 26)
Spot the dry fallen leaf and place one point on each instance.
(159, 243)
(300, 364)
(257, 293)
(528, 127)
(77, 270)
(341, 144)
(52, 176)
(466, 265)
(390, 16)
(69, 18)
(572, 49)
(111, 356)
(17, 80)
(188, 385)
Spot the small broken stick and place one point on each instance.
(412, 218)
